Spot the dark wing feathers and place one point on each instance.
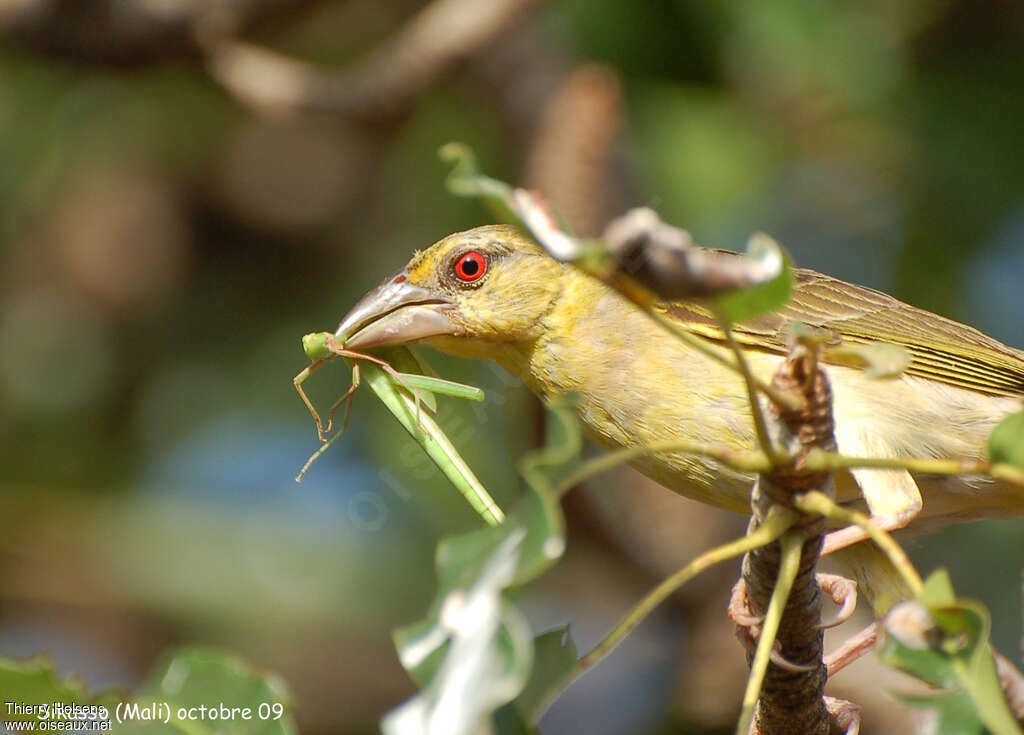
(941, 349)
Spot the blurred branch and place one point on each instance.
(120, 32)
(572, 151)
(128, 33)
(385, 84)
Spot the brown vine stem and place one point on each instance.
(791, 699)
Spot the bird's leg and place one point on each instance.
(748, 628)
(855, 534)
(843, 592)
(893, 499)
(852, 648)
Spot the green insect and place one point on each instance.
(404, 393)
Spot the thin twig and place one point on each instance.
(792, 544)
(780, 397)
(776, 523)
(743, 461)
(823, 461)
(385, 83)
(817, 502)
(760, 425)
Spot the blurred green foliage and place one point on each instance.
(183, 695)
(163, 248)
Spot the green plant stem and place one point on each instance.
(781, 397)
(777, 523)
(744, 461)
(792, 543)
(553, 456)
(818, 460)
(1007, 472)
(760, 424)
(817, 502)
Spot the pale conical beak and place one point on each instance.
(394, 313)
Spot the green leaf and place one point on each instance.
(767, 258)
(954, 713)
(880, 360)
(190, 678)
(461, 560)
(537, 514)
(508, 721)
(486, 661)
(554, 657)
(938, 590)
(944, 642)
(34, 681)
(243, 701)
(486, 648)
(542, 467)
(909, 644)
(1006, 443)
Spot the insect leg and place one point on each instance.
(297, 381)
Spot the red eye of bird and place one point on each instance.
(470, 266)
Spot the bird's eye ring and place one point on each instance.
(470, 266)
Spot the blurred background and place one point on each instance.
(189, 186)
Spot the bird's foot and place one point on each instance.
(855, 534)
(852, 649)
(748, 629)
(739, 610)
(845, 713)
(843, 592)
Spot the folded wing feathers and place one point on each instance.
(940, 348)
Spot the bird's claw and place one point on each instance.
(739, 610)
(748, 630)
(843, 592)
(845, 713)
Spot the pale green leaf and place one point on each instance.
(1006, 443)
(767, 258)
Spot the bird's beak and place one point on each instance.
(395, 312)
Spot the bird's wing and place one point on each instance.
(941, 349)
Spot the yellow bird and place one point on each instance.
(492, 293)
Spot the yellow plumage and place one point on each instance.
(562, 331)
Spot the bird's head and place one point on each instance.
(479, 293)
